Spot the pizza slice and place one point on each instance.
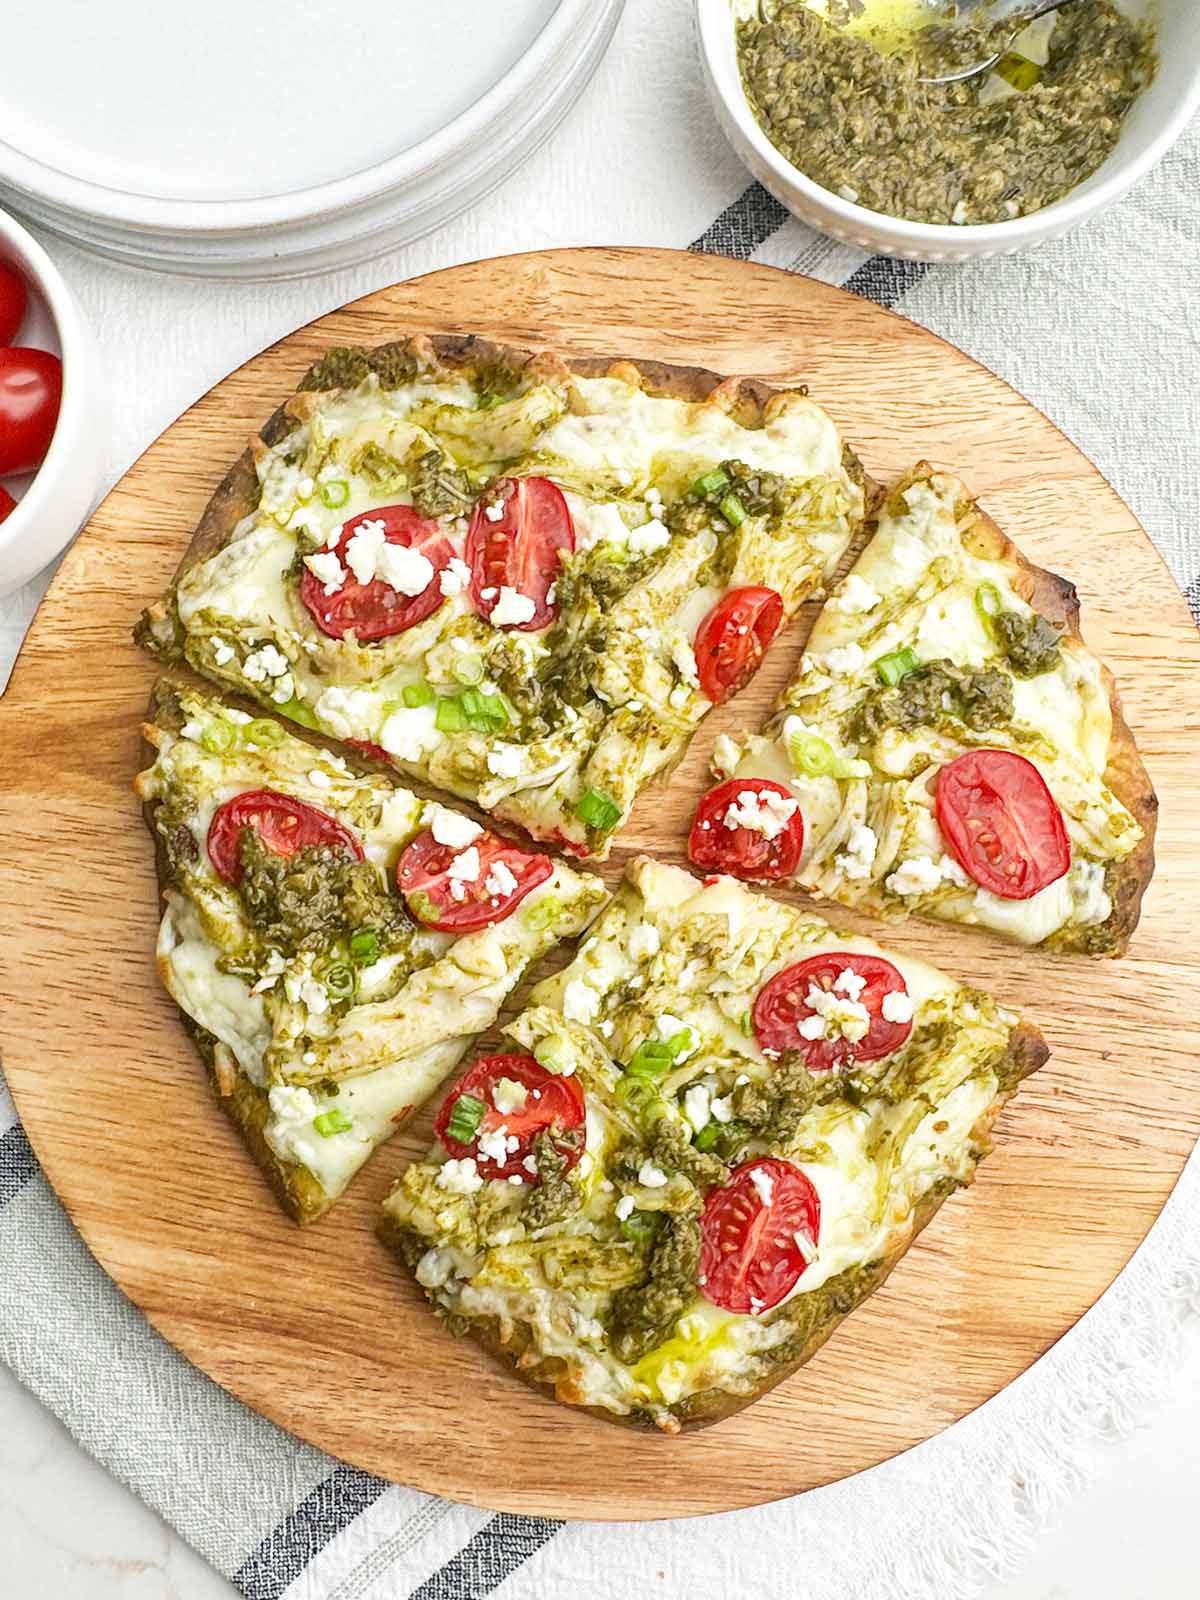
(523, 580)
(949, 747)
(711, 1137)
(334, 942)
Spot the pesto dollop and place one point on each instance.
(313, 899)
(937, 692)
(997, 146)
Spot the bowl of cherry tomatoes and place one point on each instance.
(50, 459)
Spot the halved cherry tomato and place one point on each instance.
(782, 1005)
(284, 825)
(458, 905)
(375, 610)
(30, 392)
(7, 504)
(521, 549)
(551, 1101)
(1002, 823)
(750, 1257)
(717, 847)
(733, 638)
(14, 297)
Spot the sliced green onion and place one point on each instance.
(746, 1023)
(263, 731)
(679, 1042)
(894, 668)
(989, 603)
(596, 810)
(340, 981)
(417, 694)
(708, 1136)
(639, 1227)
(450, 716)
(730, 1135)
(330, 1122)
(651, 1059)
(422, 907)
(465, 1117)
(334, 493)
(544, 913)
(733, 510)
(718, 478)
(299, 712)
(641, 1099)
(219, 737)
(468, 669)
(555, 1054)
(364, 947)
(810, 754)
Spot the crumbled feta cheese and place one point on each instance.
(465, 867)
(511, 609)
(327, 569)
(684, 658)
(853, 596)
(191, 730)
(347, 713)
(508, 1095)
(493, 1145)
(644, 941)
(696, 1106)
(725, 756)
(459, 1177)
(922, 875)
(450, 828)
(319, 779)
(223, 652)
(494, 510)
(625, 1207)
(833, 1017)
(651, 536)
(409, 732)
(506, 760)
(652, 1177)
(843, 660)
(242, 718)
(361, 550)
(764, 1185)
(499, 881)
(897, 1006)
(404, 569)
(849, 983)
(264, 663)
(721, 1109)
(436, 1267)
(454, 577)
(858, 858)
(761, 811)
(580, 1002)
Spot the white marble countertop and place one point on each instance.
(69, 1531)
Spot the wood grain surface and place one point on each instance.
(320, 1330)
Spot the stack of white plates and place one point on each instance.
(250, 139)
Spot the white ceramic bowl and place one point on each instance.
(53, 502)
(1156, 120)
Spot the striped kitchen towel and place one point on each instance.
(279, 1519)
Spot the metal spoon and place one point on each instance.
(1021, 12)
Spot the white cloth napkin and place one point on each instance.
(1101, 331)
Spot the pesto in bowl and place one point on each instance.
(855, 119)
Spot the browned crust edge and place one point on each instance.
(1125, 881)
(1027, 1051)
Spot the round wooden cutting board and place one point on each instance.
(321, 1330)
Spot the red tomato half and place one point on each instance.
(375, 610)
(30, 391)
(522, 548)
(283, 824)
(782, 1005)
(7, 504)
(733, 638)
(750, 1257)
(14, 297)
(551, 1101)
(1002, 823)
(717, 847)
(457, 905)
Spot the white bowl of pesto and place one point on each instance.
(1154, 121)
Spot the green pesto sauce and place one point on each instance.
(937, 692)
(312, 900)
(858, 122)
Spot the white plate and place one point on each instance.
(281, 138)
